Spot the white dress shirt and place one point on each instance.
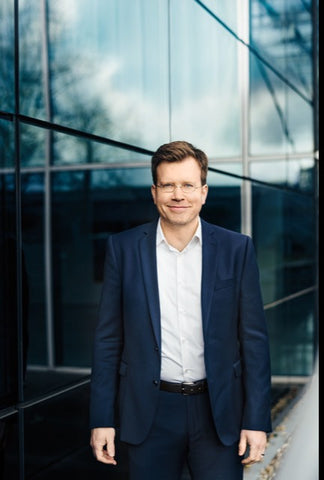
(179, 279)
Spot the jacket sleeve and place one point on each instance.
(107, 347)
(254, 347)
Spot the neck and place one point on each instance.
(178, 236)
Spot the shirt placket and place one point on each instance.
(182, 314)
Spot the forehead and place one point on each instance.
(185, 169)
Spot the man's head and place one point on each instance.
(176, 152)
(179, 190)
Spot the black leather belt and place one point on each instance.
(185, 388)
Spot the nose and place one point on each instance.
(177, 193)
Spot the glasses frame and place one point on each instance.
(171, 187)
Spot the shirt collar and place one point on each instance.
(161, 238)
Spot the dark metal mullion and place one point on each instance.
(20, 343)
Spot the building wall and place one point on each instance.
(88, 90)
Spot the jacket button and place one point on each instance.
(156, 348)
(155, 382)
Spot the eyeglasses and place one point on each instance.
(170, 187)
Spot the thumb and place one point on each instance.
(242, 445)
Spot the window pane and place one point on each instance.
(33, 141)
(7, 155)
(297, 174)
(31, 84)
(226, 11)
(280, 120)
(9, 448)
(204, 81)
(86, 207)
(7, 46)
(291, 332)
(223, 205)
(281, 31)
(8, 293)
(63, 422)
(108, 64)
(284, 233)
(70, 150)
(32, 188)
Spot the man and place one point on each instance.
(181, 344)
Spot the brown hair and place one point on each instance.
(176, 152)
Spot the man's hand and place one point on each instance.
(255, 442)
(102, 442)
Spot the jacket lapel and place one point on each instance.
(209, 261)
(149, 269)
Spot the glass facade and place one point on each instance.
(88, 90)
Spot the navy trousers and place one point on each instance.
(183, 433)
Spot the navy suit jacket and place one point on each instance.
(127, 346)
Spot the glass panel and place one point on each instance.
(8, 293)
(205, 104)
(291, 332)
(33, 145)
(30, 59)
(63, 421)
(9, 448)
(226, 11)
(281, 31)
(101, 85)
(7, 155)
(223, 205)
(7, 46)
(70, 150)
(32, 196)
(86, 207)
(280, 120)
(297, 174)
(284, 234)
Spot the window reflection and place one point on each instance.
(291, 332)
(31, 86)
(297, 174)
(282, 33)
(86, 207)
(6, 146)
(205, 103)
(283, 226)
(32, 188)
(8, 294)
(281, 121)
(69, 150)
(7, 56)
(100, 84)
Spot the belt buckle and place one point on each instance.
(183, 385)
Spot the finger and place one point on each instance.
(254, 456)
(103, 456)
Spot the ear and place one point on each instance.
(153, 192)
(204, 193)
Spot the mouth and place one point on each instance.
(177, 208)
